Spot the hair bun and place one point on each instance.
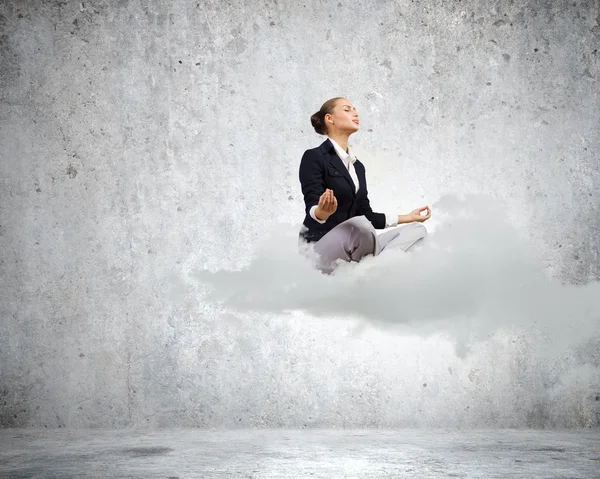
(316, 122)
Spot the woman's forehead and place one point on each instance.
(345, 104)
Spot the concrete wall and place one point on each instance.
(143, 139)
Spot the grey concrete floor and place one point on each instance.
(187, 453)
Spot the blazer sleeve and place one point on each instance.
(364, 208)
(311, 178)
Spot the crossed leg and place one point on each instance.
(356, 237)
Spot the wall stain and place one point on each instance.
(72, 171)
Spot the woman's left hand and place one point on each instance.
(420, 214)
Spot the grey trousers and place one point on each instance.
(356, 237)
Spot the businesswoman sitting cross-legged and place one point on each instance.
(339, 222)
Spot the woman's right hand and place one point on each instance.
(327, 205)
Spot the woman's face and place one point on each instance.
(344, 117)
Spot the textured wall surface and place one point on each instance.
(140, 140)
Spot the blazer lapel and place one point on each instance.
(336, 162)
(360, 173)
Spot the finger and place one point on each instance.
(323, 200)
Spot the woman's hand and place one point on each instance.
(327, 205)
(420, 215)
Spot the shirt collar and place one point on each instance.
(342, 154)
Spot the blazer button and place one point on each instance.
(335, 173)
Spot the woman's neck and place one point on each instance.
(341, 139)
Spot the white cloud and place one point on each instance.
(474, 273)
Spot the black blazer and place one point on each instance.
(322, 168)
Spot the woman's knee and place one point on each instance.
(418, 234)
(418, 229)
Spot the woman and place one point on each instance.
(339, 222)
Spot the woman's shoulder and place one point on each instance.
(317, 151)
(313, 158)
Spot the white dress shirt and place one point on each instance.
(348, 159)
